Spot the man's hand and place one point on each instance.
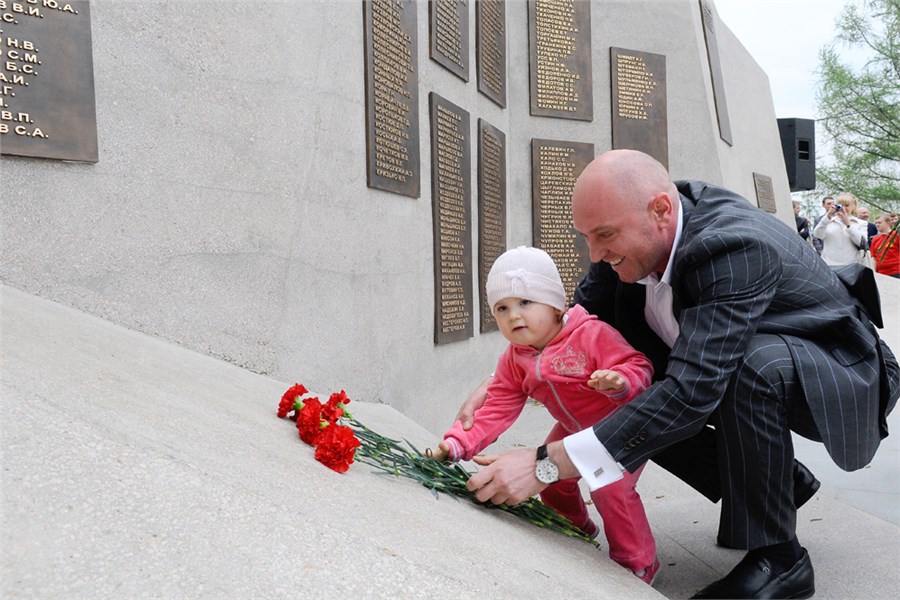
(509, 477)
(466, 414)
(604, 380)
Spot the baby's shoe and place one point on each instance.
(649, 574)
(592, 530)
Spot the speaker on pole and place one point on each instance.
(798, 143)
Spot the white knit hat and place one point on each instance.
(527, 273)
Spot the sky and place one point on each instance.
(784, 37)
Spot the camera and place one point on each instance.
(838, 207)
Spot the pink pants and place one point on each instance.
(631, 542)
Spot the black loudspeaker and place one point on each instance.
(798, 143)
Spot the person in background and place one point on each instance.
(802, 223)
(827, 202)
(871, 231)
(581, 370)
(843, 235)
(885, 247)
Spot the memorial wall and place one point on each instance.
(317, 190)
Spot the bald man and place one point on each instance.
(762, 338)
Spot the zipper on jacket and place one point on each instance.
(537, 373)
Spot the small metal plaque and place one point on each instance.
(450, 35)
(765, 192)
(491, 210)
(47, 106)
(555, 166)
(490, 42)
(559, 40)
(451, 192)
(708, 17)
(392, 96)
(639, 111)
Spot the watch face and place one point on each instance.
(546, 471)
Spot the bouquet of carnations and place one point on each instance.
(337, 445)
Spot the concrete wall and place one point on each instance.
(229, 211)
(757, 146)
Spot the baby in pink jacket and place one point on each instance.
(581, 370)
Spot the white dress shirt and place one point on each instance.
(593, 461)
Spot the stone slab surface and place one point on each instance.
(854, 552)
(132, 468)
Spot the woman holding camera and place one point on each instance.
(844, 236)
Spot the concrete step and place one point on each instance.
(854, 549)
(135, 468)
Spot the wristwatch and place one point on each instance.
(544, 469)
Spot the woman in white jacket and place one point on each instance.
(843, 235)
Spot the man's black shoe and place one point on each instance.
(753, 577)
(805, 484)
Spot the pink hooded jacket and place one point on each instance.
(557, 378)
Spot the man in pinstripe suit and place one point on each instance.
(763, 339)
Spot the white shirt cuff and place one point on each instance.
(596, 465)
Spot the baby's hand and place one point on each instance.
(441, 453)
(605, 380)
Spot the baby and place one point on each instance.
(581, 370)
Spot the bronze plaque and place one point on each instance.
(639, 113)
(715, 70)
(765, 192)
(451, 194)
(559, 41)
(491, 210)
(450, 35)
(47, 106)
(392, 96)
(490, 42)
(555, 166)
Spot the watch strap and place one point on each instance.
(542, 452)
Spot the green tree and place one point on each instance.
(859, 104)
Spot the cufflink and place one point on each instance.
(598, 472)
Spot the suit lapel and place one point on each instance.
(687, 209)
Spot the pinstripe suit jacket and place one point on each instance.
(737, 272)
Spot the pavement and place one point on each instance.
(134, 468)
(854, 548)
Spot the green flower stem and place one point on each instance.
(390, 456)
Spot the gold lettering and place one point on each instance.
(556, 35)
(493, 45)
(448, 34)
(392, 78)
(452, 226)
(634, 82)
(556, 179)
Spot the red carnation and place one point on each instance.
(309, 420)
(334, 410)
(290, 396)
(335, 447)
